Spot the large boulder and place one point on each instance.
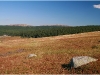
(81, 60)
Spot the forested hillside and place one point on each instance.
(45, 31)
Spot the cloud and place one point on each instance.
(97, 6)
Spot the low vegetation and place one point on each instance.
(53, 54)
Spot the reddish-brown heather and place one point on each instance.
(53, 54)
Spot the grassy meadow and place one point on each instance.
(53, 54)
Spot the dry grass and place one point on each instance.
(52, 53)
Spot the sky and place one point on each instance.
(72, 13)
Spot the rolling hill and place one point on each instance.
(52, 53)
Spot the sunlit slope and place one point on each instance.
(52, 53)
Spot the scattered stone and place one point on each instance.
(81, 60)
(19, 50)
(12, 52)
(5, 35)
(32, 55)
(6, 54)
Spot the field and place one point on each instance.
(53, 54)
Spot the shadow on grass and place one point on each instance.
(66, 66)
(71, 69)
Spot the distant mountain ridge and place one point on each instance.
(18, 25)
(57, 25)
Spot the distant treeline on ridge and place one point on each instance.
(45, 31)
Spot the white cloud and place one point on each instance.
(97, 6)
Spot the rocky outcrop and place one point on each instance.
(81, 60)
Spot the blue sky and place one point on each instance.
(73, 13)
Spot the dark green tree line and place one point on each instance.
(45, 31)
